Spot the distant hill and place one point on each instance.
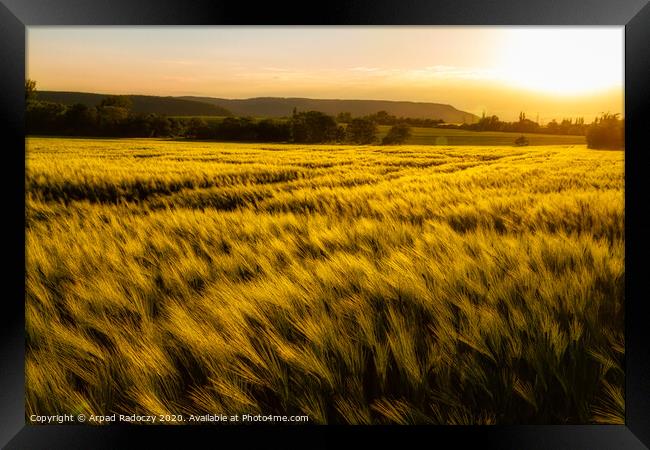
(145, 104)
(267, 106)
(280, 107)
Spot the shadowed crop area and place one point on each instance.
(353, 284)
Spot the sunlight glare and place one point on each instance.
(564, 61)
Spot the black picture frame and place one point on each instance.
(16, 15)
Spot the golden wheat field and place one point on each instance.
(352, 284)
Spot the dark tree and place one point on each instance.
(340, 134)
(197, 128)
(608, 132)
(487, 123)
(526, 125)
(361, 131)
(111, 119)
(313, 127)
(344, 117)
(383, 118)
(398, 134)
(119, 101)
(521, 141)
(30, 90)
(553, 127)
(273, 131)
(135, 125)
(177, 127)
(44, 118)
(80, 119)
(160, 125)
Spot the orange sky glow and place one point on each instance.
(550, 72)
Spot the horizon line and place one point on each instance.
(184, 97)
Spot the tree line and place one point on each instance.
(113, 117)
(384, 118)
(605, 132)
(570, 126)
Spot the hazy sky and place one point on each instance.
(551, 71)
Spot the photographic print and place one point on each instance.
(324, 225)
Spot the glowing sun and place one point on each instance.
(564, 61)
